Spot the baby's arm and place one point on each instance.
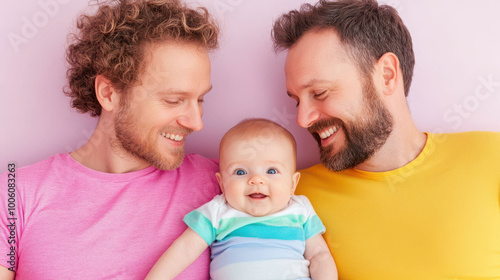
(322, 265)
(184, 251)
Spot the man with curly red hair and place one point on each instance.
(109, 209)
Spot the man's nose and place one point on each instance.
(307, 114)
(192, 117)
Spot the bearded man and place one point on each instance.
(109, 209)
(397, 203)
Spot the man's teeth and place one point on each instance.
(172, 136)
(327, 133)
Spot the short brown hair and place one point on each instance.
(113, 42)
(258, 127)
(366, 29)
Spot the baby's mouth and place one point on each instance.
(257, 195)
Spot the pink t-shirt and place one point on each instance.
(72, 222)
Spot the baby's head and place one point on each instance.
(257, 167)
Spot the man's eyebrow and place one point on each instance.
(174, 91)
(309, 84)
(314, 82)
(207, 90)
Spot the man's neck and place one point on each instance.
(103, 153)
(402, 146)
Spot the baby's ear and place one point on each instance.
(295, 181)
(219, 179)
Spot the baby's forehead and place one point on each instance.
(251, 136)
(255, 149)
(257, 139)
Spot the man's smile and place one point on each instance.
(328, 132)
(172, 136)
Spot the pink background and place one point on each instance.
(457, 45)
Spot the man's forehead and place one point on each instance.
(317, 45)
(315, 53)
(175, 66)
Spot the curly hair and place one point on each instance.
(112, 42)
(367, 30)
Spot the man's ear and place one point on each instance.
(106, 94)
(388, 67)
(295, 181)
(219, 179)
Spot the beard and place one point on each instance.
(143, 145)
(363, 137)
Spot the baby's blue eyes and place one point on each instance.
(240, 172)
(272, 171)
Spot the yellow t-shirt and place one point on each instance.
(437, 217)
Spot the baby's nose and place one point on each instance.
(256, 180)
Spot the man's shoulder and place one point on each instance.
(198, 170)
(32, 177)
(469, 136)
(474, 141)
(199, 162)
(40, 167)
(316, 175)
(315, 170)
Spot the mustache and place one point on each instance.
(177, 130)
(322, 124)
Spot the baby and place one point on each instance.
(256, 229)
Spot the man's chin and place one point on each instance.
(336, 160)
(335, 165)
(167, 157)
(327, 158)
(168, 164)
